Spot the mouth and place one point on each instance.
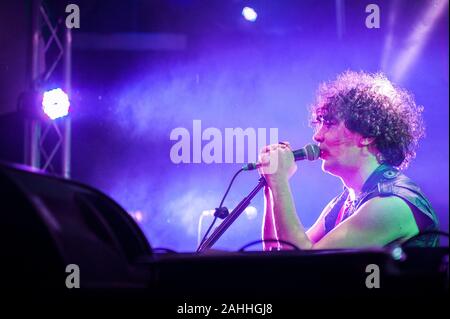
(323, 154)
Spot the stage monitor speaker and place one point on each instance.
(49, 223)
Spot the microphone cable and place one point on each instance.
(218, 209)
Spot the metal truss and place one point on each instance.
(47, 143)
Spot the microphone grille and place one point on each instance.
(312, 152)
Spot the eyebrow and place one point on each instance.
(325, 118)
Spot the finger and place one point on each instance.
(263, 158)
(268, 148)
(265, 149)
(286, 144)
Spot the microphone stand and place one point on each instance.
(218, 232)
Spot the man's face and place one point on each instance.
(340, 151)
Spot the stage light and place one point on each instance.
(398, 254)
(138, 216)
(55, 103)
(418, 38)
(209, 212)
(251, 212)
(249, 14)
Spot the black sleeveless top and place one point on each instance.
(389, 181)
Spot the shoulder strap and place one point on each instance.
(395, 183)
(387, 181)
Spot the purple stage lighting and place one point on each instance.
(249, 14)
(55, 103)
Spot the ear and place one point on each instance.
(366, 141)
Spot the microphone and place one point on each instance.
(310, 152)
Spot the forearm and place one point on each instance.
(268, 228)
(288, 226)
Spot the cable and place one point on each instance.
(199, 228)
(207, 232)
(220, 206)
(270, 241)
(229, 186)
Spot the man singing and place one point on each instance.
(367, 130)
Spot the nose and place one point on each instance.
(318, 135)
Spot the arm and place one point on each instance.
(314, 233)
(287, 224)
(317, 230)
(280, 218)
(268, 229)
(375, 224)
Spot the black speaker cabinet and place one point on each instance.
(48, 223)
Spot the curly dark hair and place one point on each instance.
(371, 105)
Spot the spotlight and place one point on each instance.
(251, 212)
(55, 103)
(249, 14)
(138, 216)
(209, 212)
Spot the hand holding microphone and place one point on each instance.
(310, 152)
(277, 161)
(273, 171)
